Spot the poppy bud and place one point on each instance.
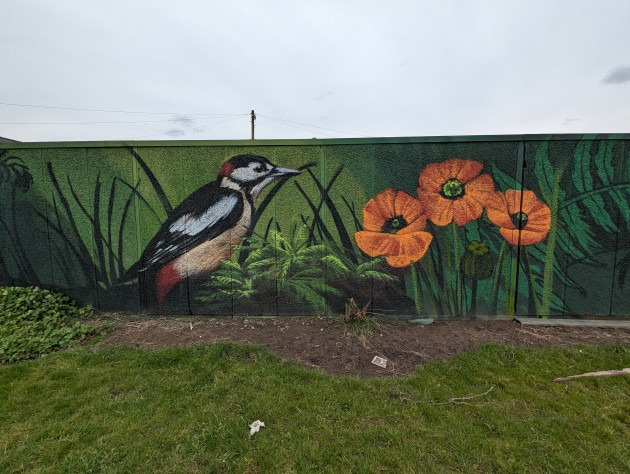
(477, 263)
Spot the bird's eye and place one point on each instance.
(259, 169)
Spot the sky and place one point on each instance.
(76, 70)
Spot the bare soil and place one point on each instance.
(328, 344)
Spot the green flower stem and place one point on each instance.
(494, 292)
(448, 284)
(427, 283)
(509, 293)
(440, 290)
(417, 290)
(545, 306)
(472, 312)
(458, 273)
(531, 282)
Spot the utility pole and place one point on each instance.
(253, 118)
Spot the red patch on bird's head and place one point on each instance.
(226, 169)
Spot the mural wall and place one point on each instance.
(422, 227)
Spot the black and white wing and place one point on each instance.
(204, 215)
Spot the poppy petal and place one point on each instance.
(511, 235)
(376, 243)
(538, 216)
(541, 227)
(539, 211)
(500, 219)
(497, 212)
(438, 209)
(398, 260)
(529, 237)
(408, 207)
(481, 189)
(465, 170)
(378, 209)
(432, 178)
(529, 201)
(416, 226)
(412, 248)
(385, 202)
(415, 244)
(513, 200)
(373, 220)
(465, 210)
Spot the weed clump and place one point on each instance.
(34, 322)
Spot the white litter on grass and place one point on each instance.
(255, 427)
(380, 362)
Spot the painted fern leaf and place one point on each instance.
(584, 181)
(544, 171)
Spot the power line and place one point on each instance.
(311, 126)
(166, 132)
(299, 128)
(110, 111)
(288, 123)
(113, 121)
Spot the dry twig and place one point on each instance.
(603, 373)
(461, 399)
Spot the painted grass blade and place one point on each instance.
(316, 217)
(97, 233)
(85, 256)
(121, 232)
(328, 187)
(113, 271)
(357, 225)
(157, 187)
(135, 192)
(341, 228)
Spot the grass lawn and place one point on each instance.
(188, 410)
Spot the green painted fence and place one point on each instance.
(446, 227)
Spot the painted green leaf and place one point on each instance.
(568, 245)
(582, 233)
(584, 182)
(544, 171)
(503, 180)
(538, 252)
(603, 163)
(606, 172)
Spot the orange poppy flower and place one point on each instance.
(533, 217)
(394, 225)
(453, 191)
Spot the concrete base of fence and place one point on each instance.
(598, 323)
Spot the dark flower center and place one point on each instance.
(452, 189)
(394, 224)
(519, 220)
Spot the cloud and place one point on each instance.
(183, 119)
(619, 75)
(175, 132)
(324, 96)
(570, 121)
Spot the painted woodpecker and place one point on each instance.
(201, 232)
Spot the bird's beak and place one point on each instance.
(278, 172)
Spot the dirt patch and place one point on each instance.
(326, 344)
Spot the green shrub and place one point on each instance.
(34, 322)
